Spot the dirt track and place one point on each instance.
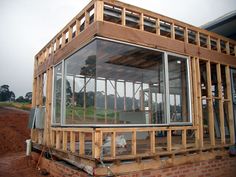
(13, 133)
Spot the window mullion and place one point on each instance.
(167, 91)
(63, 90)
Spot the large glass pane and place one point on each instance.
(133, 75)
(80, 85)
(178, 89)
(57, 94)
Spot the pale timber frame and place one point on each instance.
(201, 46)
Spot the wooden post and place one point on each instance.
(58, 140)
(184, 138)
(123, 17)
(210, 105)
(227, 48)
(72, 141)
(81, 143)
(63, 43)
(230, 105)
(134, 142)
(141, 24)
(172, 31)
(87, 19)
(64, 140)
(158, 28)
(57, 43)
(218, 45)
(235, 50)
(70, 33)
(199, 96)
(186, 35)
(209, 42)
(113, 144)
(169, 143)
(152, 141)
(195, 96)
(221, 106)
(52, 138)
(198, 38)
(77, 26)
(96, 144)
(98, 10)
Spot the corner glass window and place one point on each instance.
(108, 82)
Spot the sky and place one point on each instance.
(28, 25)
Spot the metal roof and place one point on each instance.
(224, 25)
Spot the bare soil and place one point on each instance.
(13, 133)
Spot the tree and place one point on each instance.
(28, 96)
(6, 94)
(20, 99)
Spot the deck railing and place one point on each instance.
(154, 141)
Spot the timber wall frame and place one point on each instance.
(205, 46)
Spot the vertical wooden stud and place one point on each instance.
(72, 141)
(230, 105)
(152, 141)
(199, 102)
(184, 138)
(169, 143)
(210, 105)
(64, 140)
(158, 28)
(198, 38)
(141, 24)
(218, 45)
(113, 144)
(227, 48)
(209, 42)
(221, 106)
(134, 142)
(98, 10)
(58, 139)
(77, 27)
(172, 31)
(81, 143)
(186, 35)
(123, 17)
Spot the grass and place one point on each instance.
(23, 106)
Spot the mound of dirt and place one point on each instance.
(17, 165)
(13, 133)
(13, 129)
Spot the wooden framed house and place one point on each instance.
(123, 89)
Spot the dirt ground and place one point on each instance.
(13, 133)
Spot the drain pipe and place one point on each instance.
(28, 147)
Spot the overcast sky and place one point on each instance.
(27, 25)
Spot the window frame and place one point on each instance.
(166, 91)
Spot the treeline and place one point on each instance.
(6, 95)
